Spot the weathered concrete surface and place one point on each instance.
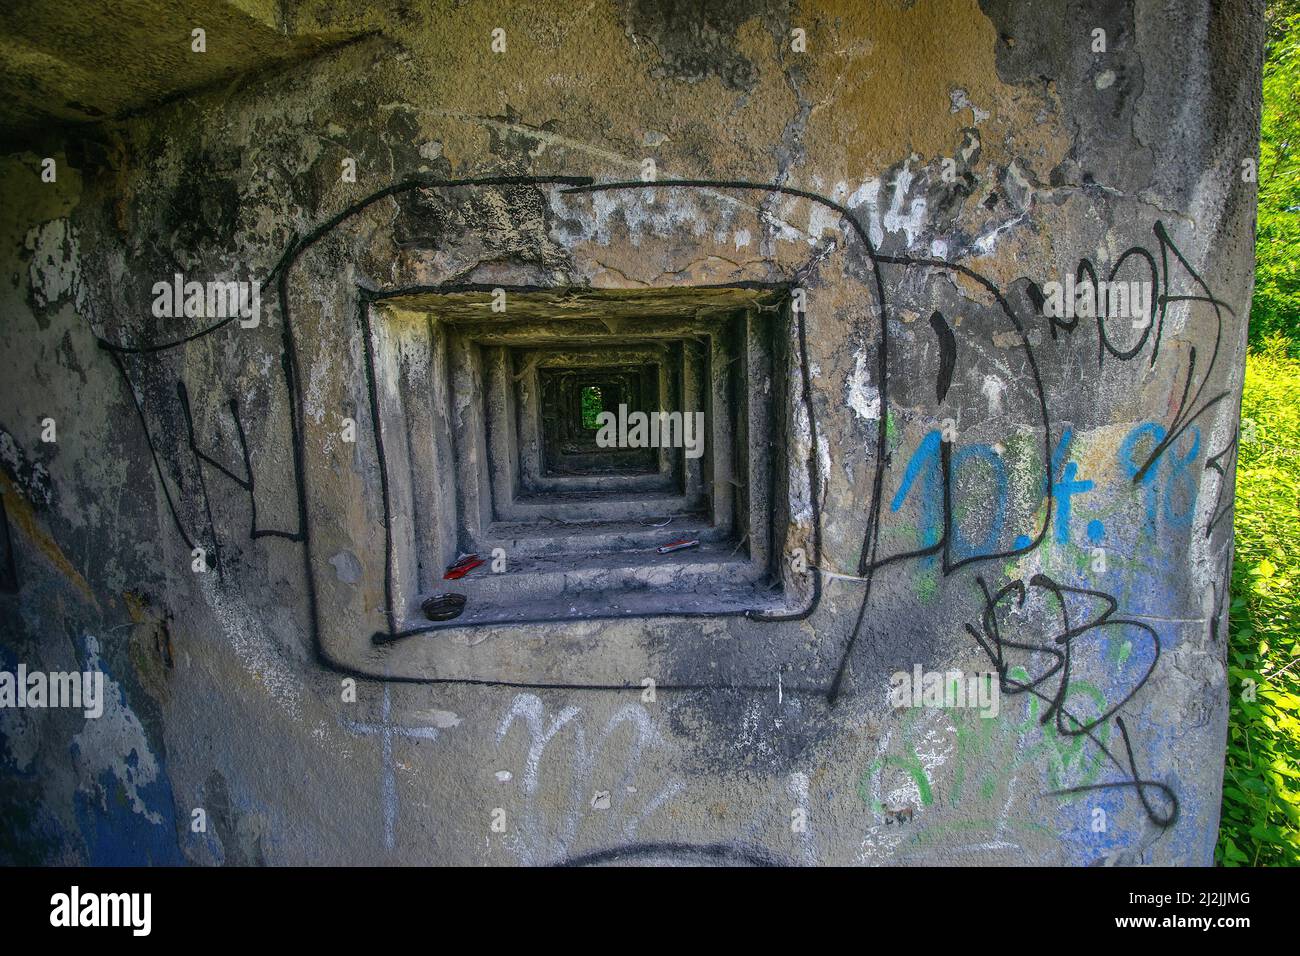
(1057, 440)
(88, 62)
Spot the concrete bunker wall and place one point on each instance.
(939, 474)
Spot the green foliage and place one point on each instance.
(1276, 305)
(1261, 793)
(592, 405)
(1260, 822)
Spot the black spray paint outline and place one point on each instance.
(868, 560)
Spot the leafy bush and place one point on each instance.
(1261, 793)
(1276, 305)
(592, 406)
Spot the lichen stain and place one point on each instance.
(889, 95)
(707, 128)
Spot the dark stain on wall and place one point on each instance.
(694, 40)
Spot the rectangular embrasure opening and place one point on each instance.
(576, 439)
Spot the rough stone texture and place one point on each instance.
(963, 469)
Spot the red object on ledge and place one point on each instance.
(462, 567)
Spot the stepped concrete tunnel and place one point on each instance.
(841, 398)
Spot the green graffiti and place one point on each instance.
(1068, 759)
